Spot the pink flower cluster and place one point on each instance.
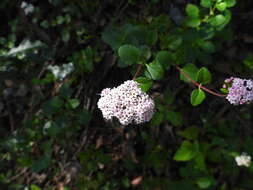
(127, 103)
(240, 91)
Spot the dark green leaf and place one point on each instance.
(208, 47)
(175, 118)
(65, 35)
(164, 58)
(155, 70)
(174, 42)
(74, 103)
(204, 76)
(204, 182)
(186, 152)
(197, 97)
(190, 133)
(191, 70)
(129, 54)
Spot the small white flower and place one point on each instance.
(61, 72)
(243, 160)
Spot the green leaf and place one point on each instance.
(190, 133)
(175, 118)
(152, 37)
(164, 58)
(52, 106)
(174, 42)
(218, 20)
(227, 16)
(248, 61)
(129, 54)
(34, 187)
(204, 182)
(230, 3)
(208, 47)
(204, 76)
(157, 119)
(112, 36)
(192, 22)
(191, 70)
(83, 117)
(192, 10)
(144, 83)
(41, 164)
(206, 3)
(74, 103)
(221, 6)
(155, 70)
(197, 97)
(65, 35)
(186, 152)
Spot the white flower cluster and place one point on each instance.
(240, 92)
(243, 160)
(61, 72)
(127, 103)
(28, 8)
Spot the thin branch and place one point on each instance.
(138, 71)
(199, 85)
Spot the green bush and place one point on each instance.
(56, 58)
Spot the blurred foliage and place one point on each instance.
(52, 134)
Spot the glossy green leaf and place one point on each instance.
(221, 6)
(206, 3)
(129, 54)
(192, 11)
(186, 152)
(197, 97)
(155, 70)
(218, 20)
(204, 76)
(144, 83)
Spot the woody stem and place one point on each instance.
(199, 85)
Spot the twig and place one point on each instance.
(137, 72)
(199, 85)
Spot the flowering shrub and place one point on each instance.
(59, 60)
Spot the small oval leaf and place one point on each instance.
(197, 97)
